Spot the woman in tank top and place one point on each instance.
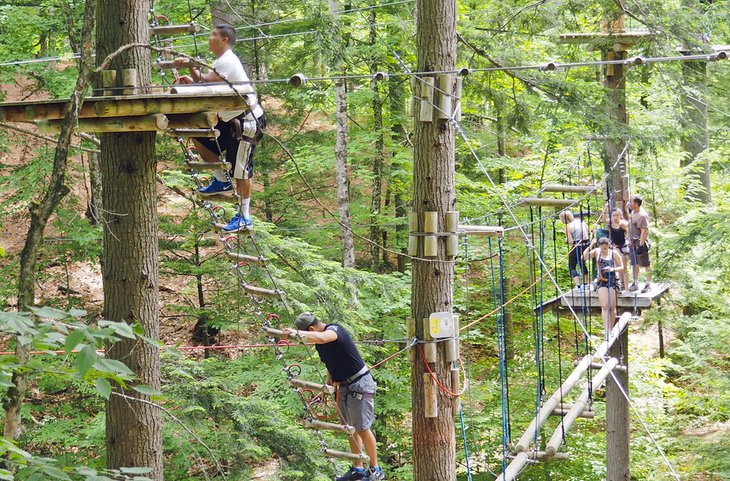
(578, 234)
(618, 229)
(609, 263)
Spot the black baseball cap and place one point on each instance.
(305, 320)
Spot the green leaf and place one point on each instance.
(114, 367)
(73, 339)
(77, 312)
(146, 390)
(56, 473)
(121, 328)
(49, 312)
(85, 360)
(103, 387)
(135, 470)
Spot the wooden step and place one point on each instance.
(197, 133)
(302, 383)
(261, 292)
(586, 189)
(548, 202)
(246, 259)
(564, 412)
(225, 166)
(279, 333)
(481, 230)
(174, 29)
(317, 424)
(331, 453)
(598, 366)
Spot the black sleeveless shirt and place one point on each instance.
(617, 236)
(341, 357)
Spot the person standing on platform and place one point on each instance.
(353, 383)
(578, 234)
(639, 229)
(618, 234)
(240, 130)
(609, 263)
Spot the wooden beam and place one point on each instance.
(317, 424)
(246, 259)
(202, 120)
(169, 64)
(196, 133)
(119, 106)
(261, 292)
(314, 386)
(481, 230)
(161, 30)
(548, 202)
(564, 412)
(212, 89)
(570, 188)
(568, 384)
(139, 123)
(331, 453)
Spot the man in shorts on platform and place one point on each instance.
(639, 229)
(240, 130)
(354, 384)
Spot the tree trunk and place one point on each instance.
(614, 159)
(341, 175)
(434, 455)
(618, 459)
(695, 134)
(40, 213)
(376, 198)
(94, 209)
(130, 270)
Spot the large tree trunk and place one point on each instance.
(695, 136)
(341, 175)
(376, 198)
(434, 455)
(40, 213)
(130, 268)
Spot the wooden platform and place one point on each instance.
(578, 299)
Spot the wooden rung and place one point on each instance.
(243, 232)
(246, 259)
(260, 291)
(174, 29)
(331, 453)
(570, 188)
(316, 424)
(279, 333)
(204, 133)
(545, 201)
(168, 64)
(209, 166)
(325, 388)
(220, 197)
(564, 412)
(200, 120)
(542, 456)
(482, 230)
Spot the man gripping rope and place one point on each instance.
(353, 383)
(240, 130)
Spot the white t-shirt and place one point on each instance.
(230, 68)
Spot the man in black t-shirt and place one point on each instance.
(354, 384)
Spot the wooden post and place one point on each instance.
(430, 226)
(430, 349)
(426, 114)
(446, 89)
(430, 396)
(129, 81)
(452, 227)
(109, 82)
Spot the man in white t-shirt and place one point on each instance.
(240, 130)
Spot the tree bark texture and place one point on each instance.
(433, 190)
(376, 198)
(130, 268)
(614, 159)
(40, 213)
(618, 455)
(695, 132)
(341, 175)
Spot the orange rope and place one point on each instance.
(441, 386)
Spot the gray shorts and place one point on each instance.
(357, 403)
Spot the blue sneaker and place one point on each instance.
(216, 186)
(238, 222)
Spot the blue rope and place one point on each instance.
(463, 436)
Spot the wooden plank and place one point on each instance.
(141, 123)
(213, 89)
(120, 105)
(302, 383)
(567, 385)
(317, 424)
(261, 292)
(430, 396)
(481, 230)
(564, 412)
(247, 259)
(548, 202)
(202, 120)
(196, 133)
(161, 30)
(280, 334)
(579, 407)
(331, 453)
(571, 188)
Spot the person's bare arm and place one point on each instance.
(323, 337)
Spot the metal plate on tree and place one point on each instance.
(441, 324)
